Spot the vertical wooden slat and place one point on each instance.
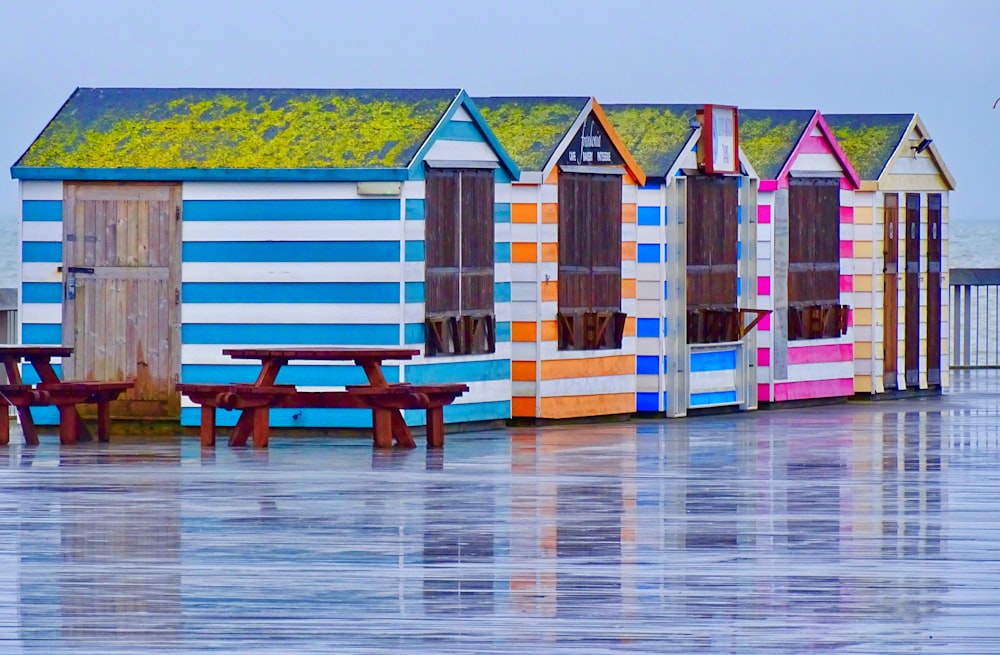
(912, 305)
(441, 241)
(890, 285)
(934, 288)
(477, 262)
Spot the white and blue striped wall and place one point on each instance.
(652, 248)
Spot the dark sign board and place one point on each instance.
(591, 147)
(719, 146)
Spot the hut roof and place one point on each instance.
(531, 128)
(768, 137)
(869, 139)
(654, 134)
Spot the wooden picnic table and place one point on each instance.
(384, 399)
(50, 390)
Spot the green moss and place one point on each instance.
(304, 130)
(529, 130)
(654, 135)
(868, 147)
(768, 144)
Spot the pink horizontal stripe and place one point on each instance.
(764, 285)
(767, 185)
(764, 214)
(846, 184)
(765, 323)
(846, 214)
(816, 389)
(846, 249)
(763, 357)
(825, 354)
(815, 145)
(847, 283)
(764, 392)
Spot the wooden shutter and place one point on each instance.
(605, 227)
(814, 241)
(477, 241)
(934, 288)
(711, 258)
(575, 284)
(890, 301)
(912, 303)
(441, 241)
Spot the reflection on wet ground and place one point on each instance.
(860, 528)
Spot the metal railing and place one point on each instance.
(8, 333)
(975, 317)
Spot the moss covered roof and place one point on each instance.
(530, 128)
(869, 140)
(654, 134)
(769, 136)
(238, 128)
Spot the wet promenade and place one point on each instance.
(861, 528)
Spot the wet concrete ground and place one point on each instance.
(861, 528)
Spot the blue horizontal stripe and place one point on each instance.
(30, 376)
(486, 411)
(41, 210)
(739, 250)
(647, 327)
(646, 402)
(305, 375)
(723, 360)
(501, 292)
(414, 251)
(44, 415)
(501, 212)
(647, 365)
(648, 253)
(648, 216)
(41, 251)
(373, 209)
(739, 181)
(291, 251)
(414, 292)
(292, 335)
(666, 221)
(42, 292)
(459, 131)
(289, 418)
(212, 174)
(41, 334)
(446, 372)
(413, 334)
(739, 287)
(503, 331)
(739, 214)
(712, 398)
(414, 209)
(650, 186)
(290, 292)
(501, 253)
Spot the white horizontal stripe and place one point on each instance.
(650, 197)
(524, 292)
(549, 232)
(588, 386)
(502, 232)
(649, 346)
(824, 162)
(647, 383)
(501, 272)
(522, 389)
(414, 190)
(41, 231)
(293, 272)
(550, 351)
(813, 372)
(523, 351)
(457, 151)
(270, 191)
(502, 353)
(414, 230)
(484, 391)
(646, 289)
(524, 273)
(650, 274)
(501, 193)
(41, 190)
(847, 197)
(413, 312)
(293, 230)
(921, 164)
(628, 269)
(711, 381)
(412, 272)
(524, 194)
(41, 313)
(40, 272)
(523, 312)
(503, 311)
(523, 232)
(648, 308)
(630, 194)
(550, 193)
(291, 313)
(629, 232)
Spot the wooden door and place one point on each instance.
(911, 306)
(121, 291)
(934, 289)
(890, 287)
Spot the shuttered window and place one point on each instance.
(814, 309)
(459, 261)
(712, 203)
(590, 261)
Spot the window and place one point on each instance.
(459, 262)
(712, 203)
(590, 261)
(814, 309)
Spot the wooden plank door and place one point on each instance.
(890, 288)
(911, 306)
(121, 291)
(934, 289)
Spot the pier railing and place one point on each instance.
(975, 317)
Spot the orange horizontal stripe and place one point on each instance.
(523, 212)
(579, 406)
(522, 406)
(523, 253)
(550, 252)
(629, 326)
(628, 288)
(522, 331)
(629, 250)
(550, 331)
(550, 212)
(522, 371)
(629, 213)
(550, 290)
(561, 369)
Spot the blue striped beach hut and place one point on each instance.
(696, 257)
(161, 226)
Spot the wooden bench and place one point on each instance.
(66, 396)
(235, 396)
(429, 397)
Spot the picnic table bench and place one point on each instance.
(385, 400)
(66, 395)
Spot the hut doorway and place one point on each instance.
(121, 291)
(890, 303)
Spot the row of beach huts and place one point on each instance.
(563, 258)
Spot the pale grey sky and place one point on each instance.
(939, 58)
